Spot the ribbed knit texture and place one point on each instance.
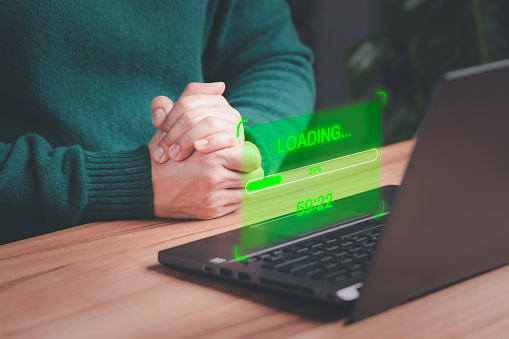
(76, 82)
(118, 185)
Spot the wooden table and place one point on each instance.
(103, 280)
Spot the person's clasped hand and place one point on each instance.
(201, 119)
(208, 183)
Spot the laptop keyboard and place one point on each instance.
(331, 257)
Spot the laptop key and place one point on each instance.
(331, 248)
(251, 260)
(296, 249)
(308, 271)
(345, 261)
(338, 279)
(340, 254)
(368, 243)
(356, 273)
(315, 244)
(360, 256)
(324, 275)
(298, 266)
(355, 267)
(271, 258)
(329, 265)
(284, 262)
(325, 257)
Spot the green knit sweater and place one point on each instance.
(76, 82)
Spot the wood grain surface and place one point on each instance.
(102, 280)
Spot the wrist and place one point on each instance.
(163, 182)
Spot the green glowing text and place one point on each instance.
(309, 205)
(310, 138)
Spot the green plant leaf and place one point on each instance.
(367, 61)
(422, 40)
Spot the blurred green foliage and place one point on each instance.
(421, 41)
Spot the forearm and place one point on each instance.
(268, 72)
(44, 189)
(279, 88)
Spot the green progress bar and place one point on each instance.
(263, 183)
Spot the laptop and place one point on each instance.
(447, 222)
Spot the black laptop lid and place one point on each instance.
(450, 220)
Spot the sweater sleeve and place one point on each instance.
(45, 189)
(254, 48)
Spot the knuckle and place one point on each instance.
(179, 105)
(167, 140)
(187, 118)
(186, 102)
(191, 86)
(236, 114)
(260, 172)
(227, 139)
(223, 101)
(184, 141)
(210, 200)
(210, 206)
(208, 184)
(212, 123)
(168, 123)
(211, 181)
(231, 139)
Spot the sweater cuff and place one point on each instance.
(119, 185)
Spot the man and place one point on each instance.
(76, 79)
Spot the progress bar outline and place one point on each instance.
(315, 175)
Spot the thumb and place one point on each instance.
(251, 158)
(160, 107)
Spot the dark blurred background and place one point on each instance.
(400, 46)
